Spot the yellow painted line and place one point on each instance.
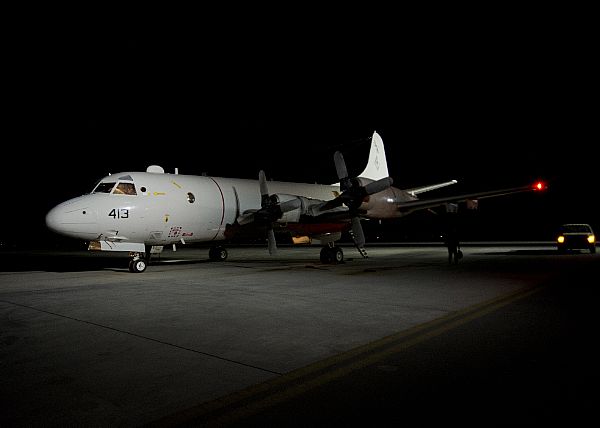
(176, 184)
(255, 398)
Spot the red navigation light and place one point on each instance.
(540, 185)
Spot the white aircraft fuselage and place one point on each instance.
(169, 208)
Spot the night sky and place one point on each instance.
(492, 106)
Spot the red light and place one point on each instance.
(539, 186)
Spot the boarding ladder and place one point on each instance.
(361, 250)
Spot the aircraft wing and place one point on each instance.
(423, 189)
(431, 203)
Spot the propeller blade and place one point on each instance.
(262, 180)
(329, 205)
(378, 186)
(246, 218)
(340, 165)
(271, 241)
(290, 205)
(357, 230)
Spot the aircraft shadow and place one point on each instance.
(53, 262)
(75, 261)
(81, 261)
(24, 261)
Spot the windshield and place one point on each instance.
(104, 187)
(125, 189)
(122, 188)
(575, 228)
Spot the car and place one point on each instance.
(576, 236)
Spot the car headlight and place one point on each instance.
(591, 239)
(560, 239)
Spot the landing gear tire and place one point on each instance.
(217, 254)
(137, 265)
(332, 255)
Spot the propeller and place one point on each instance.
(353, 195)
(270, 211)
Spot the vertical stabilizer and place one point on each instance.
(377, 165)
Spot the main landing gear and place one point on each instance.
(217, 254)
(332, 254)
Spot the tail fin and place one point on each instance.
(377, 165)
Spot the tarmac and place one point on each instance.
(85, 342)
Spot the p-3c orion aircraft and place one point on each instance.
(139, 212)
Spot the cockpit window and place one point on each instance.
(125, 189)
(126, 177)
(104, 187)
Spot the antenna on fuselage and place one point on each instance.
(155, 169)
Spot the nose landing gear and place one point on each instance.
(137, 264)
(139, 261)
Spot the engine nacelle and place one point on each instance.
(472, 204)
(380, 205)
(292, 216)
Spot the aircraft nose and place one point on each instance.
(53, 219)
(73, 218)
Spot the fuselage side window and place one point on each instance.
(124, 189)
(104, 187)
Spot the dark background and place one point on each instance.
(494, 102)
